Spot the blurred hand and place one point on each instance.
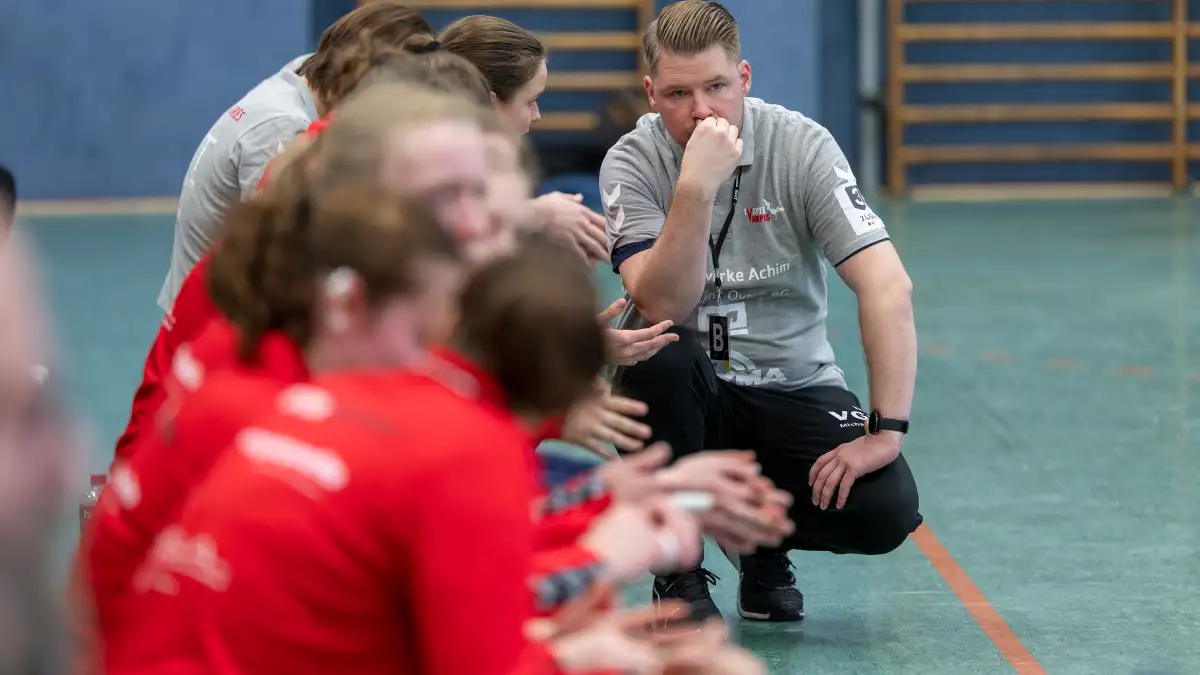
(586, 637)
(748, 511)
(568, 219)
(705, 651)
(605, 418)
(633, 478)
(633, 539)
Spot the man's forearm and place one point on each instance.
(889, 338)
(671, 281)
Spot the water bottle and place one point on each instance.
(90, 498)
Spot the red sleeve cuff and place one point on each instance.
(551, 429)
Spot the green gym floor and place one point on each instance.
(1053, 440)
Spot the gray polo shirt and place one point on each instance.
(229, 163)
(799, 206)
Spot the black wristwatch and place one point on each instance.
(877, 423)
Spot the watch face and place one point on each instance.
(873, 422)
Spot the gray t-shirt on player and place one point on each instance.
(798, 203)
(230, 161)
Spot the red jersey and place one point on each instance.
(192, 311)
(561, 570)
(213, 397)
(358, 527)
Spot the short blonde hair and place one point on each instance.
(688, 27)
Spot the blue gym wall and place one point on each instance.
(109, 99)
(1047, 92)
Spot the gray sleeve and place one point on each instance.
(841, 221)
(631, 214)
(259, 145)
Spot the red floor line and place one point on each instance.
(977, 604)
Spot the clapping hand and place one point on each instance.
(747, 510)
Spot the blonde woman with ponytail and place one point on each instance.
(282, 306)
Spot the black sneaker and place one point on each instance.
(690, 587)
(767, 591)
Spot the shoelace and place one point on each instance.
(692, 583)
(774, 570)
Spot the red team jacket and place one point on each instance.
(213, 397)
(373, 522)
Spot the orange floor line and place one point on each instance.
(977, 604)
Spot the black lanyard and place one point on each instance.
(715, 247)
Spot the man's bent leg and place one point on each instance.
(679, 387)
(882, 509)
(790, 431)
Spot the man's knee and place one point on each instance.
(892, 513)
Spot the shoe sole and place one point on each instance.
(771, 618)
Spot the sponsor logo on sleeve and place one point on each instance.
(854, 206)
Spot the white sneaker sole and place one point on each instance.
(756, 616)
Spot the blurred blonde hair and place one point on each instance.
(358, 141)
